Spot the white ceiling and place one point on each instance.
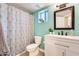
(30, 7)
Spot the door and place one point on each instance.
(59, 50)
(54, 50)
(48, 49)
(72, 52)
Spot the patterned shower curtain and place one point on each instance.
(3, 31)
(17, 27)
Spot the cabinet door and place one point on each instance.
(48, 49)
(73, 50)
(54, 50)
(71, 53)
(59, 51)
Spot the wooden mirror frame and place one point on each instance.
(72, 19)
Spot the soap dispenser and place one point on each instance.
(61, 32)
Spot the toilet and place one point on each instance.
(33, 49)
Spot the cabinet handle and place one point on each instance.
(61, 45)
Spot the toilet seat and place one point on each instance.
(32, 47)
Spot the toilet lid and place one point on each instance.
(32, 47)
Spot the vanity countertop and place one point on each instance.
(63, 36)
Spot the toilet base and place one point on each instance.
(34, 53)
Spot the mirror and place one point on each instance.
(64, 18)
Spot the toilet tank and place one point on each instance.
(38, 40)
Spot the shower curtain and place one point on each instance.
(17, 27)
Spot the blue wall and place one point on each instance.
(41, 29)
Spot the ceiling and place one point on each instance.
(30, 7)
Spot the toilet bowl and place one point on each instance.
(33, 49)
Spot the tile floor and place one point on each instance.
(27, 54)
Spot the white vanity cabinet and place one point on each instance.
(56, 45)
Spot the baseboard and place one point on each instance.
(42, 50)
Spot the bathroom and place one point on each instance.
(26, 29)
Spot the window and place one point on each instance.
(43, 16)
